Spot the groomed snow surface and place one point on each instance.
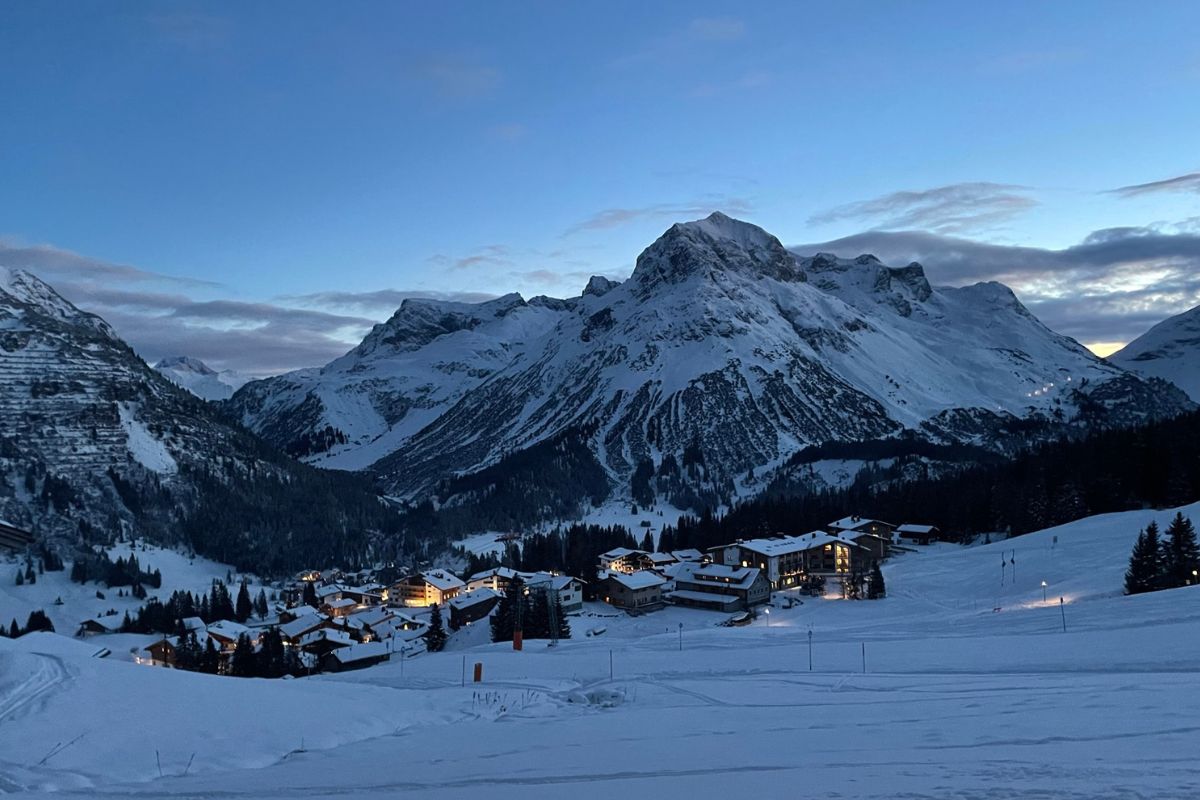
(971, 690)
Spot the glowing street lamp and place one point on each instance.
(1043, 591)
(767, 611)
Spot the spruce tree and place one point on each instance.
(14, 630)
(243, 663)
(244, 606)
(260, 604)
(1181, 555)
(503, 619)
(310, 595)
(1143, 572)
(435, 637)
(877, 588)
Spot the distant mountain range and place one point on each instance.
(1170, 350)
(722, 355)
(200, 379)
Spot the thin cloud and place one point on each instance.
(55, 263)
(382, 302)
(610, 218)
(1181, 183)
(686, 42)
(455, 77)
(955, 208)
(748, 82)
(488, 254)
(1109, 287)
(715, 29)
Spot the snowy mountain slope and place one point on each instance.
(93, 441)
(1170, 350)
(723, 353)
(200, 379)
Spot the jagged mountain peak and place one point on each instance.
(711, 246)
(598, 286)
(24, 292)
(419, 321)
(184, 364)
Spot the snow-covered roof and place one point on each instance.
(302, 625)
(620, 552)
(328, 589)
(360, 652)
(853, 523)
(741, 577)
(111, 622)
(193, 624)
(661, 559)
(473, 597)
(228, 629)
(328, 635)
(642, 579)
(373, 616)
(345, 602)
(688, 555)
(784, 545)
(441, 580)
(910, 528)
(705, 597)
(504, 573)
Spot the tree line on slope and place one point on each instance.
(1156, 465)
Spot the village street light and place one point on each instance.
(767, 611)
(1043, 591)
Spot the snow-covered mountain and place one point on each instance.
(94, 443)
(1170, 350)
(200, 379)
(722, 354)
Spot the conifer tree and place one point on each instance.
(260, 604)
(14, 630)
(877, 588)
(310, 595)
(1180, 553)
(244, 606)
(435, 637)
(503, 619)
(210, 662)
(648, 542)
(243, 662)
(1143, 574)
(20, 578)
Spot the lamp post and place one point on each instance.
(1043, 591)
(767, 611)
(681, 637)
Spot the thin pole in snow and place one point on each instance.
(1063, 608)
(864, 654)
(681, 637)
(464, 672)
(610, 665)
(810, 649)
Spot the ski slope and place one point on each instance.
(971, 690)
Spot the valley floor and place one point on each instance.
(971, 690)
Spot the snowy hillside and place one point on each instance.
(200, 379)
(953, 686)
(723, 353)
(1170, 350)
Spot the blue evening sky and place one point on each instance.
(282, 150)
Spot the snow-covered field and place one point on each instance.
(79, 601)
(971, 690)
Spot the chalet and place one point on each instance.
(427, 588)
(623, 559)
(920, 534)
(160, 653)
(633, 591)
(570, 590)
(193, 624)
(660, 560)
(323, 641)
(472, 606)
(99, 625)
(225, 633)
(340, 608)
(870, 533)
(364, 595)
(688, 555)
(497, 579)
(720, 588)
(14, 539)
(356, 656)
(293, 631)
(328, 592)
(787, 561)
